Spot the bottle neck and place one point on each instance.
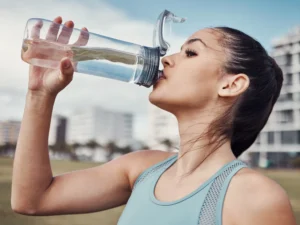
(149, 73)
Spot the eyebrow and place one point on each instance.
(192, 41)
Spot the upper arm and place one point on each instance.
(276, 211)
(95, 189)
(259, 200)
(272, 208)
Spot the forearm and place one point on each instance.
(32, 172)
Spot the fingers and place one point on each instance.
(66, 32)
(83, 37)
(66, 70)
(35, 32)
(54, 28)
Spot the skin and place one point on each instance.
(251, 197)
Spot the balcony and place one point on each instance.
(275, 148)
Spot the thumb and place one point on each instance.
(66, 70)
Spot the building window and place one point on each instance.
(281, 98)
(289, 137)
(258, 139)
(298, 137)
(289, 59)
(286, 97)
(270, 137)
(285, 116)
(289, 96)
(289, 79)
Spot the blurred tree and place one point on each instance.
(2, 149)
(145, 147)
(92, 144)
(111, 148)
(59, 147)
(72, 150)
(168, 143)
(76, 145)
(13, 146)
(7, 147)
(296, 162)
(51, 147)
(125, 150)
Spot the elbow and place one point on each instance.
(26, 212)
(23, 209)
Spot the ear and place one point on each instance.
(233, 85)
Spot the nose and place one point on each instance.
(167, 61)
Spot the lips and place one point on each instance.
(162, 76)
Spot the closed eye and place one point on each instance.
(190, 53)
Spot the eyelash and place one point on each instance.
(190, 53)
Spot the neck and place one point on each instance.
(196, 152)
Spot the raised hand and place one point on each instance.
(52, 81)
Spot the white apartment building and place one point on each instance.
(96, 123)
(282, 132)
(9, 131)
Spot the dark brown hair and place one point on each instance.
(244, 120)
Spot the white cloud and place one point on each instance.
(84, 90)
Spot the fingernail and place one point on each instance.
(66, 64)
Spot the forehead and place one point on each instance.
(210, 37)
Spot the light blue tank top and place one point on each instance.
(203, 206)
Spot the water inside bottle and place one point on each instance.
(103, 62)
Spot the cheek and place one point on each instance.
(195, 84)
(189, 90)
(202, 77)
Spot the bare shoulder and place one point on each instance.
(257, 198)
(136, 162)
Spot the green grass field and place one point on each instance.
(289, 180)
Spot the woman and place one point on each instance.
(221, 87)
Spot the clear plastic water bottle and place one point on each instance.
(96, 54)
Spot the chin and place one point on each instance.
(158, 99)
(155, 97)
(161, 101)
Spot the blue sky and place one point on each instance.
(262, 19)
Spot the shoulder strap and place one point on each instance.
(222, 194)
(211, 211)
(146, 173)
